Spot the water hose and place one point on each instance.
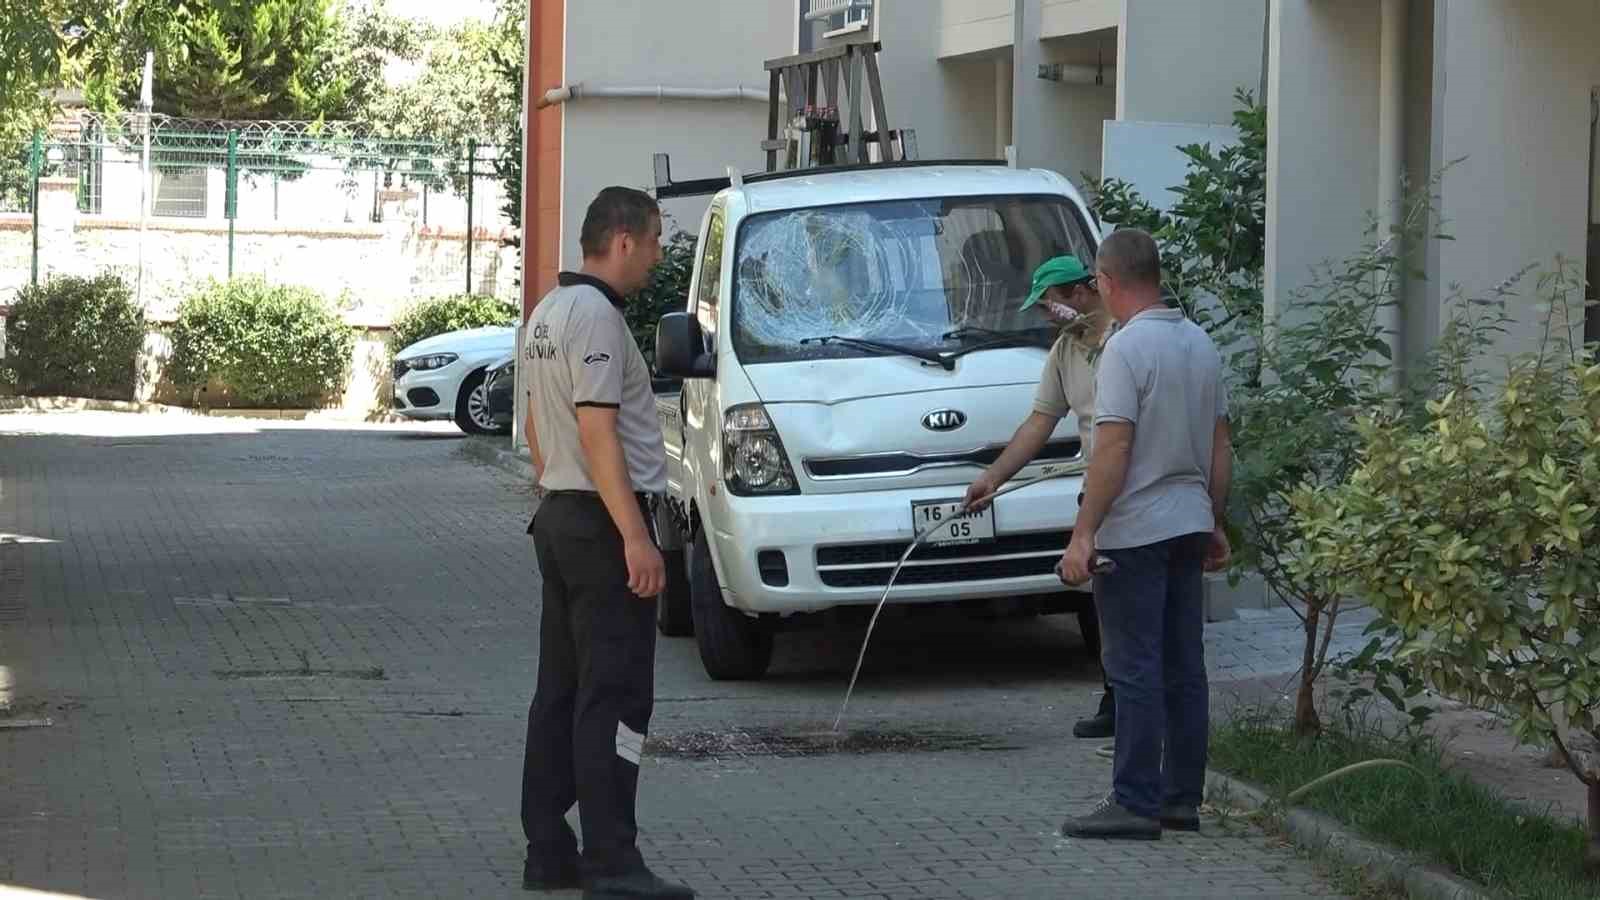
(1102, 565)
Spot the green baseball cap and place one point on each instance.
(1062, 270)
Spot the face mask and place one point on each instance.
(1062, 311)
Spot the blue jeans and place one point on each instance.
(1152, 615)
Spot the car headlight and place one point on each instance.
(753, 459)
(431, 361)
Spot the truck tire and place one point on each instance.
(673, 618)
(733, 646)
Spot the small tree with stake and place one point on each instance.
(1473, 531)
(1299, 380)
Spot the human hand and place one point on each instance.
(1075, 567)
(647, 571)
(1219, 552)
(977, 498)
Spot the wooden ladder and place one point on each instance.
(808, 96)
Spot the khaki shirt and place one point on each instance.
(1067, 383)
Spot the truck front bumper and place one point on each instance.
(811, 552)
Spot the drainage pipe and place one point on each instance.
(1392, 154)
(579, 91)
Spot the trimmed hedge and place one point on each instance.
(439, 315)
(77, 337)
(264, 345)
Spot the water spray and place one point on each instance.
(1101, 566)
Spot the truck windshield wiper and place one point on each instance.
(970, 331)
(996, 338)
(943, 360)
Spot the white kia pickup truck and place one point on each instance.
(850, 357)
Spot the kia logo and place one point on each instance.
(944, 420)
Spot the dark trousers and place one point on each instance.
(596, 689)
(1090, 624)
(1152, 618)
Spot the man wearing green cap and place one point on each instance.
(1065, 291)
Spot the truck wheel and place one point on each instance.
(733, 646)
(673, 618)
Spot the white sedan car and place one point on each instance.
(442, 377)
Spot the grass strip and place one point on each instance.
(1439, 815)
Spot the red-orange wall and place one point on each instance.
(542, 171)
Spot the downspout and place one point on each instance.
(530, 221)
(1391, 158)
(579, 91)
(1002, 107)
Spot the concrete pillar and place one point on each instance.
(1182, 62)
(1322, 126)
(1030, 106)
(58, 219)
(1511, 101)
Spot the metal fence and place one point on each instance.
(333, 205)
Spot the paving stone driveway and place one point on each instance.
(283, 661)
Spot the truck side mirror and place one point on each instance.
(680, 348)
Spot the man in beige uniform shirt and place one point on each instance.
(1064, 289)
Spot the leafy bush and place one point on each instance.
(1473, 533)
(75, 336)
(439, 315)
(1213, 241)
(262, 344)
(668, 291)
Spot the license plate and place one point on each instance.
(950, 525)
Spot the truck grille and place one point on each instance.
(890, 464)
(1009, 556)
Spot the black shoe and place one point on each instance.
(1175, 817)
(1103, 723)
(551, 875)
(1111, 821)
(1098, 726)
(638, 883)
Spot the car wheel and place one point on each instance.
(733, 646)
(472, 406)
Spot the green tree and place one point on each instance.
(219, 59)
(367, 39)
(33, 46)
(469, 87)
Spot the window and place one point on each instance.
(708, 291)
(180, 192)
(902, 271)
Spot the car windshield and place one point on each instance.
(934, 274)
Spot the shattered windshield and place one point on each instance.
(935, 274)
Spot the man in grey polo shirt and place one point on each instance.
(1153, 503)
(598, 449)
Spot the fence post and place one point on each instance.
(472, 171)
(230, 206)
(35, 172)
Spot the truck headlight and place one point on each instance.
(753, 459)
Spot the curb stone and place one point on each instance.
(1317, 832)
(80, 404)
(496, 451)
